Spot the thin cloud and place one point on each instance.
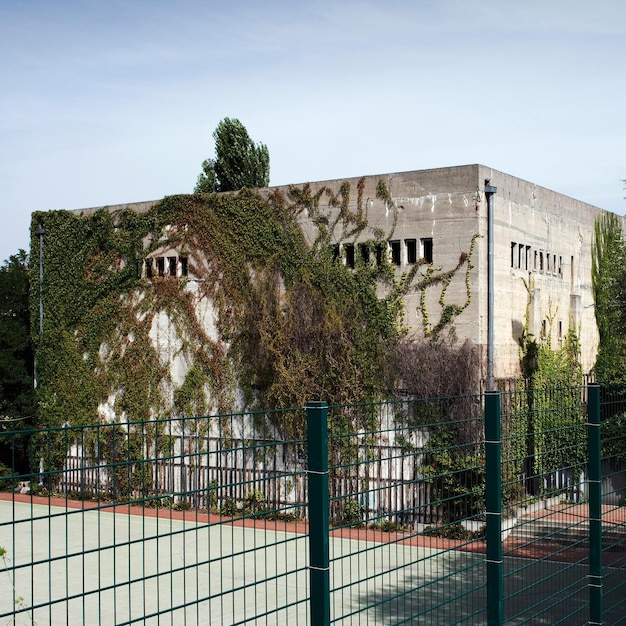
(111, 102)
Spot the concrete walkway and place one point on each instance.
(93, 566)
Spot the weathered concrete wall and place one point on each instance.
(440, 205)
(543, 239)
(542, 252)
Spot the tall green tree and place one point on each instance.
(238, 163)
(608, 279)
(16, 358)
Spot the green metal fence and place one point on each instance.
(488, 509)
(182, 521)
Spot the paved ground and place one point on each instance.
(561, 533)
(76, 564)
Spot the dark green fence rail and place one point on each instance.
(185, 521)
(500, 508)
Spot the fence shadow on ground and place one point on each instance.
(394, 470)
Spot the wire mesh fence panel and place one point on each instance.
(185, 521)
(545, 519)
(613, 465)
(406, 498)
(210, 519)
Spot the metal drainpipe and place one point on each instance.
(489, 193)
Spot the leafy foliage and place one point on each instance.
(352, 513)
(613, 429)
(16, 357)
(238, 163)
(608, 279)
(558, 419)
(444, 379)
(449, 311)
(551, 435)
(288, 321)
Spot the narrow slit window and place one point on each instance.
(148, 265)
(395, 252)
(426, 245)
(513, 247)
(411, 251)
(379, 253)
(334, 251)
(172, 263)
(160, 266)
(540, 261)
(364, 253)
(184, 266)
(349, 252)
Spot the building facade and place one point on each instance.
(542, 255)
(432, 225)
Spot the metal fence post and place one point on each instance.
(493, 507)
(595, 506)
(319, 523)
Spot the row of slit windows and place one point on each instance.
(524, 257)
(166, 266)
(178, 266)
(545, 328)
(368, 253)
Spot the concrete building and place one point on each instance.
(542, 254)
(433, 225)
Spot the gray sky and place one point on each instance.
(112, 101)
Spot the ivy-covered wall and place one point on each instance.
(267, 317)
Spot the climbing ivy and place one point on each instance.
(552, 434)
(608, 257)
(434, 276)
(443, 378)
(292, 322)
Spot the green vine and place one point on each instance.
(551, 436)
(435, 277)
(289, 323)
